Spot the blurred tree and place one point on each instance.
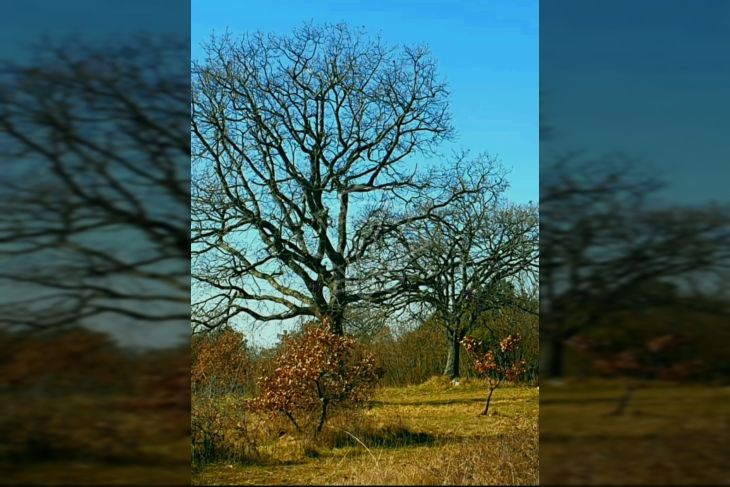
(662, 357)
(605, 250)
(94, 211)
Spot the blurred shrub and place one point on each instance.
(73, 394)
(73, 359)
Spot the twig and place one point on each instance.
(363, 445)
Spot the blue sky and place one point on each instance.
(486, 50)
(648, 79)
(27, 22)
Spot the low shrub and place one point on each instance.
(222, 431)
(316, 371)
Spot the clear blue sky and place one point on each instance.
(27, 22)
(649, 79)
(486, 50)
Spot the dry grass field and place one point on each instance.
(88, 439)
(417, 435)
(669, 435)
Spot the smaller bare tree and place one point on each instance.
(497, 364)
(477, 255)
(659, 358)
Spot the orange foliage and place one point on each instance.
(504, 362)
(316, 370)
(75, 359)
(658, 358)
(497, 364)
(220, 361)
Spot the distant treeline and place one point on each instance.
(74, 394)
(224, 362)
(704, 326)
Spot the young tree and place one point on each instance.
(316, 371)
(300, 143)
(659, 357)
(498, 364)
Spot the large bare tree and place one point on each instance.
(301, 144)
(94, 204)
(480, 254)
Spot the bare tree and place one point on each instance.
(606, 248)
(300, 144)
(478, 255)
(94, 203)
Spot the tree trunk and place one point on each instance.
(453, 358)
(489, 398)
(334, 319)
(336, 324)
(291, 418)
(553, 357)
(322, 416)
(624, 400)
(337, 302)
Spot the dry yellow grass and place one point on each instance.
(418, 435)
(669, 435)
(87, 439)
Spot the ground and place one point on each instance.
(669, 435)
(91, 439)
(425, 434)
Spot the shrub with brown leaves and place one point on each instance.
(660, 357)
(74, 359)
(504, 362)
(220, 361)
(316, 371)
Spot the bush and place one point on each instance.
(662, 357)
(415, 355)
(410, 357)
(221, 430)
(68, 360)
(315, 371)
(497, 363)
(220, 362)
